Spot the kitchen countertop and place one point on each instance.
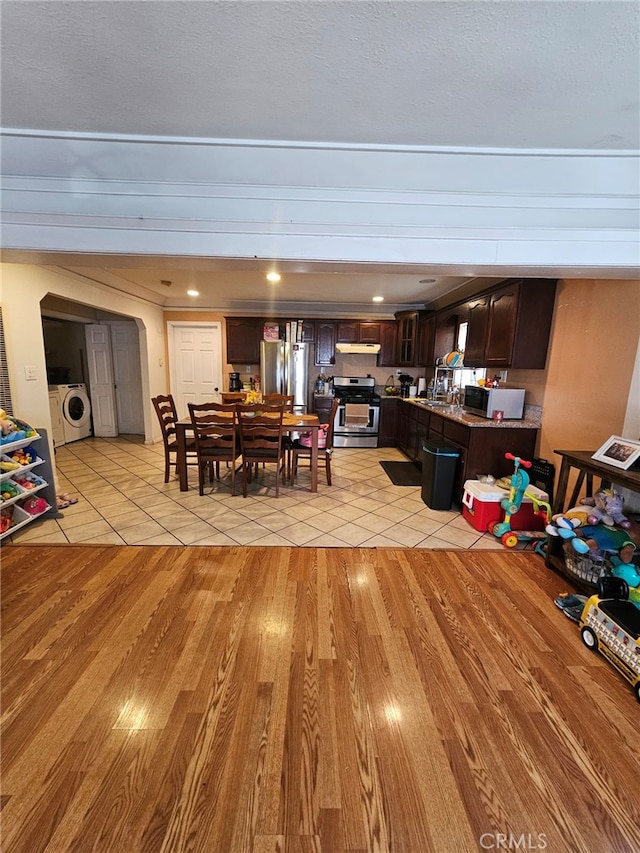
(531, 419)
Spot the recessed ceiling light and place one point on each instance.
(378, 299)
(426, 281)
(193, 293)
(273, 276)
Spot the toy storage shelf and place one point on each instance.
(44, 489)
(587, 469)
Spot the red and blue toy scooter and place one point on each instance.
(518, 491)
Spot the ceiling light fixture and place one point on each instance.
(193, 293)
(273, 276)
(378, 299)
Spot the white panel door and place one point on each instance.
(195, 358)
(125, 350)
(101, 380)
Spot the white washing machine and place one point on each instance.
(75, 408)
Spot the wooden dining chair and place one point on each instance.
(167, 415)
(301, 451)
(233, 396)
(260, 429)
(216, 439)
(285, 400)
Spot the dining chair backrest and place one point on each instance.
(324, 453)
(233, 396)
(331, 422)
(167, 415)
(261, 438)
(209, 418)
(215, 433)
(285, 400)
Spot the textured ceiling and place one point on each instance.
(480, 73)
(509, 74)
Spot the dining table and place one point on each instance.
(290, 423)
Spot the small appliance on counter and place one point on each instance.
(235, 383)
(406, 382)
(487, 401)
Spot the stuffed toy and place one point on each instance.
(593, 538)
(7, 426)
(577, 516)
(607, 508)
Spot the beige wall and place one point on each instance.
(593, 359)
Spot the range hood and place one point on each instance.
(368, 349)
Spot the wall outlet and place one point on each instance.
(398, 372)
(30, 372)
(503, 375)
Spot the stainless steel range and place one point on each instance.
(358, 416)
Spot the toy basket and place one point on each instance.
(587, 567)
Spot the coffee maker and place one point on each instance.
(406, 382)
(234, 382)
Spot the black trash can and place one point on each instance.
(439, 462)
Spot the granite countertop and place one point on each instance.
(531, 420)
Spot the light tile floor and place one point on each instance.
(123, 500)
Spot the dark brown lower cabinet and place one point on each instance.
(482, 448)
(388, 430)
(322, 407)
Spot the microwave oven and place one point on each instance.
(486, 401)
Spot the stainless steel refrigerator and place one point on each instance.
(285, 368)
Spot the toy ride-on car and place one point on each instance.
(610, 624)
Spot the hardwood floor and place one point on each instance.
(266, 699)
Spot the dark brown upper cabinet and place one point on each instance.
(243, 339)
(388, 336)
(369, 333)
(347, 332)
(308, 331)
(325, 349)
(357, 332)
(407, 338)
(510, 326)
(445, 334)
(426, 341)
(477, 315)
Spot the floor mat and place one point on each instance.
(403, 473)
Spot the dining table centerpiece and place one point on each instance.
(252, 398)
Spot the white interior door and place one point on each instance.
(195, 363)
(125, 350)
(101, 380)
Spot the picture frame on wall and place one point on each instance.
(619, 452)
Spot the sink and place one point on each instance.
(433, 404)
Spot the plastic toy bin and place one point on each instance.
(481, 507)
